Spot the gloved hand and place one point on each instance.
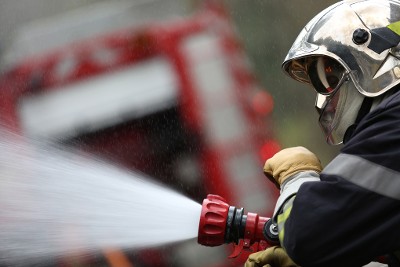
(290, 161)
(271, 257)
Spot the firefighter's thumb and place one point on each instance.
(290, 161)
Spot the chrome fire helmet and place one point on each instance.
(348, 52)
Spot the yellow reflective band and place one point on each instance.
(395, 27)
(281, 235)
(281, 223)
(283, 216)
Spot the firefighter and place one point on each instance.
(348, 213)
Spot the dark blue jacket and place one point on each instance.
(353, 215)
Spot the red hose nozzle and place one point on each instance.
(223, 224)
(212, 224)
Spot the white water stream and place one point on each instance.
(54, 202)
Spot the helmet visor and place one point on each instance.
(324, 73)
(327, 118)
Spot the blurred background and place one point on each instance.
(189, 92)
(267, 30)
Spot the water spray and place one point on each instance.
(221, 224)
(58, 204)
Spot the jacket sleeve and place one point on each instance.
(352, 216)
(336, 223)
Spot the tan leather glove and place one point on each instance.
(271, 257)
(290, 161)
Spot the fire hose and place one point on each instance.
(221, 224)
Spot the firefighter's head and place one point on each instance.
(349, 54)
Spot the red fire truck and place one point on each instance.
(157, 89)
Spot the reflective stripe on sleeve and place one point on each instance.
(282, 217)
(365, 174)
